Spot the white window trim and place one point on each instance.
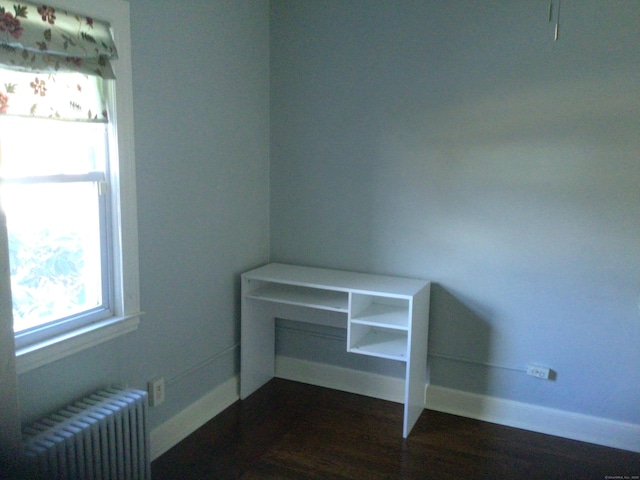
(126, 302)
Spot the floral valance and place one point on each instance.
(40, 38)
(62, 96)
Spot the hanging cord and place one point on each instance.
(557, 29)
(557, 33)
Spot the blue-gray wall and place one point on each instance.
(457, 142)
(201, 101)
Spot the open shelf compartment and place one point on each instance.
(380, 311)
(331, 300)
(378, 342)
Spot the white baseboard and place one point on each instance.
(560, 423)
(193, 417)
(550, 421)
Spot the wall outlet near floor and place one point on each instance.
(155, 388)
(538, 372)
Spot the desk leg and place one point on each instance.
(257, 349)
(414, 399)
(416, 374)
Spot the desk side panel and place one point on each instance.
(257, 347)
(417, 360)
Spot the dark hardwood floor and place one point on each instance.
(289, 430)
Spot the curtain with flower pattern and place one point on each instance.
(61, 96)
(53, 62)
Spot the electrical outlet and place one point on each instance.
(155, 388)
(538, 372)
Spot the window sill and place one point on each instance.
(48, 351)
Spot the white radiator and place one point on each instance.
(101, 437)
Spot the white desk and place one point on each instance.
(386, 317)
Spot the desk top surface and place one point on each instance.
(336, 279)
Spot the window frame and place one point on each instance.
(67, 323)
(123, 209)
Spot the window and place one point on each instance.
(68, 186)
(55, 196)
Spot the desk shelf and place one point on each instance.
(379, 342)
(390, 316)
(379, 326)
(302, 296)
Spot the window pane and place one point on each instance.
(54, 243)
(31, 147)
